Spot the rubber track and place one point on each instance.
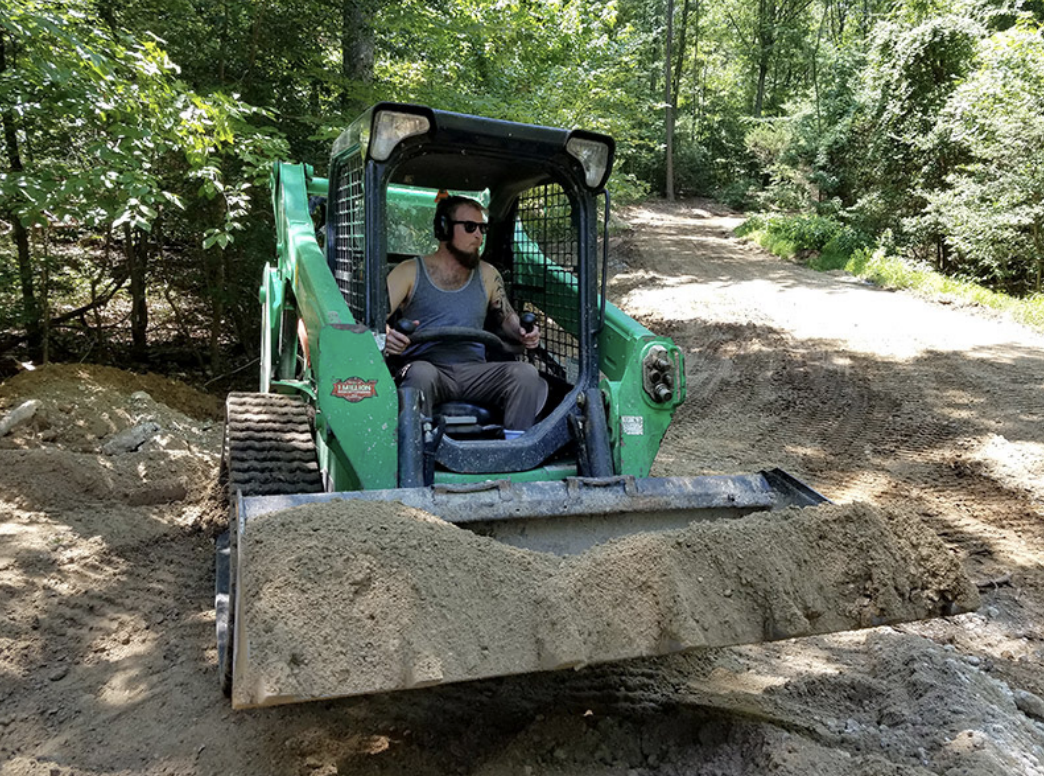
(270, 448)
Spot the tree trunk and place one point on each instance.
(679, 65)
(107, 13)
(30, 303)
(256, 28)
(815, 72)
(774, 18)
(697, 81)
(222, 42)
(136, 253)
(668, 99)
(45, 291)
(759, 97)
(216, 280)
(1038, 243)
(357, 49)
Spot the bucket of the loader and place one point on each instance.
(343, 594)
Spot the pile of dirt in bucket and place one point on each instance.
(351, 597)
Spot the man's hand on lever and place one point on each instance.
(398, 338)
(528, 331)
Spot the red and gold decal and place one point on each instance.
(354, 389)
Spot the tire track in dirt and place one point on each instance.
(109, 628)
(758, 396)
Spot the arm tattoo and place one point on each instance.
(499, 303)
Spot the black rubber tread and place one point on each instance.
(269, 445)
(269, 451)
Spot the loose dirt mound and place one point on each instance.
(82, 391)
(68, 457)
(391, 597)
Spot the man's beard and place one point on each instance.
(467, 259)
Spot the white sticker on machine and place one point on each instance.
(633, 425)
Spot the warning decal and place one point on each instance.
(354, 389)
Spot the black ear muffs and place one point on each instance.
(442, 224)
(442, 227)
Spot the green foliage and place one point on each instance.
(625, 188)
(116, 144)
(839, 249)
(792, 234)
(740, 194)
(919, 119)
(890, 271)
(991, 210)
(911, 72)
(106, 116)
(768, 38)
(546, 62)
(808, 233)
(933, 134)
(826, 242)
(277, 55)
(550, 62)
(824, 150)
(771, 143)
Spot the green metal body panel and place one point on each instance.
(636, 423)
(360, 432)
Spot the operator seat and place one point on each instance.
(465, 420)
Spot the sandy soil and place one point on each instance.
(107, 663)
(393, 597)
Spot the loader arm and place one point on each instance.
(354, 393)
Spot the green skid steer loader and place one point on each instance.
(328, 424)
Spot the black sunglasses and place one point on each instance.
(471, 226)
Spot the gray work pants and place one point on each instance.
(514, 386)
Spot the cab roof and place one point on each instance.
(459, 151)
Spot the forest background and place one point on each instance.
(138, 137)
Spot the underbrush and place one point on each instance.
(825, 241)
(824, 244)
(895, 272)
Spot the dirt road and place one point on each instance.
(107, 664)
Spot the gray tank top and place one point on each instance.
(433, 306)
